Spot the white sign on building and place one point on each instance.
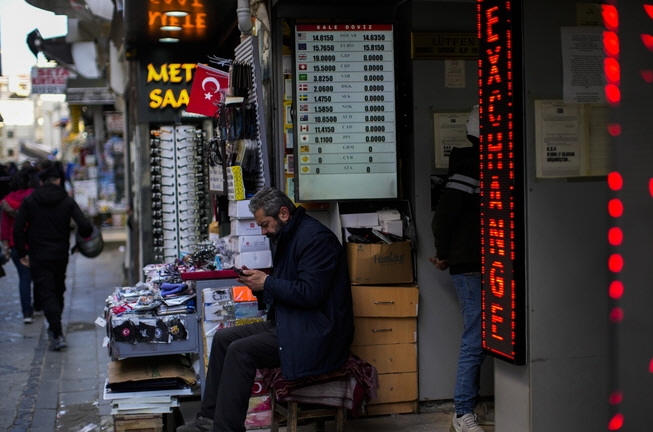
(50, 80)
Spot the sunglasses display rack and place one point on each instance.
(180, 200)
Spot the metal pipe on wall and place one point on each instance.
(244, 18)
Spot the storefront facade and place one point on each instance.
(560, 374)
(425, 87)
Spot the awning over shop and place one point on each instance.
(55, 49)
(80, 57)
(35, 151)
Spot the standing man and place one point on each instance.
(42, 240)
(310, 318)
(456, 228)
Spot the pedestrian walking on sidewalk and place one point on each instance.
(20, 187)
(42, 239)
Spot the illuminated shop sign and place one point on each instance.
(164, 89)
(180, 19)
(168, 84)
(502, 238)
(183, 21)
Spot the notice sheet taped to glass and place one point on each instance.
(345, 112)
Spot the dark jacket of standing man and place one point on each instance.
(456, 228)
(42, 237)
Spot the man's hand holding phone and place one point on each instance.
(254, 279)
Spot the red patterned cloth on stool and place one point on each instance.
(352, 385)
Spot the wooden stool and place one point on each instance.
(295, 411)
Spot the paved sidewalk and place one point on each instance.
(46, 390)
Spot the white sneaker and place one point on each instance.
(466, 423)
(484, 415)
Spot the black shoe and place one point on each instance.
(200, 424)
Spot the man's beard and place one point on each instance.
(275, 237)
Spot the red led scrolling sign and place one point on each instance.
(503, 324)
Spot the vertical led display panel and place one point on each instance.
(628, 45)
(346, 126)
(502, 226)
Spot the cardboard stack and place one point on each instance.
(385, 297)
(251, 247)
(143, 390)
(219, 312)
(383, 263)
(227, 307)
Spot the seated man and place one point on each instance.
(310, 318)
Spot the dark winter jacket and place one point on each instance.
(456, 223)
(310, 294)
(43, 223)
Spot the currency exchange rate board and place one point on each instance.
(345, 112)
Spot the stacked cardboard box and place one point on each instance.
(251, 247)
(138, 423)
(227, 307)
(143, 392)
(385, 311)
(382, 263)
(386, 337)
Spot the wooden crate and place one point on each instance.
(385, 317)
(138, 423)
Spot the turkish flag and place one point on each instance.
(208, 89)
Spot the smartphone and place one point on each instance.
(239, 271)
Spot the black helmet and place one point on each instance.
(91, 246)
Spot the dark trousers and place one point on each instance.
(24, 285)
(236, 353)
(49, 279)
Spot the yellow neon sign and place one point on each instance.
(169, 73)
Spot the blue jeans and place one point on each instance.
(471, 356)
(24, 284)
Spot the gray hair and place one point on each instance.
(271, 200)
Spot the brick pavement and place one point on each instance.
(46, 390)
